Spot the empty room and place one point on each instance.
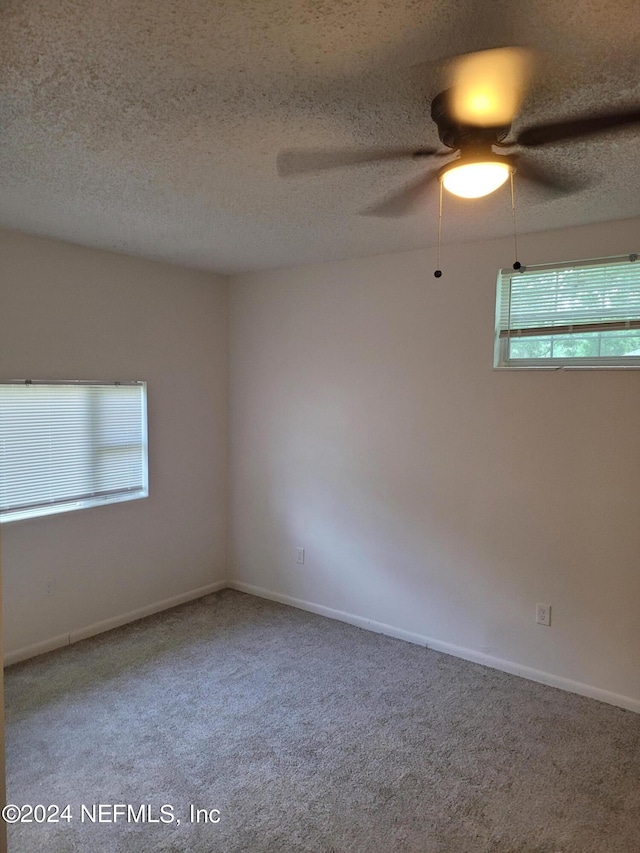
(319, 405)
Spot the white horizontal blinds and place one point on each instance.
(64, 443)
(595, 296)
(119, 458)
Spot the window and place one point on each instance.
(70, 445)
(581, 314)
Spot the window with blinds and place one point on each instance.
(70, 445)
(581, 314)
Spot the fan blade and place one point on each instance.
(488, 86)
(558, 184)
(544, 134)
(405, 201)
(297, 162)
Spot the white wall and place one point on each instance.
(432, 493)
(74, 313)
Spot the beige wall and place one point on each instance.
(433, 494)
(73, 313)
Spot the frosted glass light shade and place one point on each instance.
(474, 180)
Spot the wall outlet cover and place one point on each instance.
(543, 614)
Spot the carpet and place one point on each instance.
(283, 732)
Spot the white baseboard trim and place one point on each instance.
(36, 649)
(511, 667)
(621, 701)
(108, 624)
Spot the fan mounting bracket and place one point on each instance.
(455, 134)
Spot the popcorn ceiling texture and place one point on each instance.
(153, 127)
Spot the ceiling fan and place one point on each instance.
(473, 117)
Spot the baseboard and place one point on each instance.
(511, 667)
(36, 649)
(108, 624)
(472, 655)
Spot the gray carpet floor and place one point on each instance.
(308, 735)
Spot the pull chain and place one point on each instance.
(438, 272)
(517, 265)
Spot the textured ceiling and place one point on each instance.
(151, 127)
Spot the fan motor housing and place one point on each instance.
(454, 134)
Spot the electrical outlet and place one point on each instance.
(543, 614)
(300, 556)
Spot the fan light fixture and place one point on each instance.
(475, 177)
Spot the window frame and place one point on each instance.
(69, 504)
(502, 360)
